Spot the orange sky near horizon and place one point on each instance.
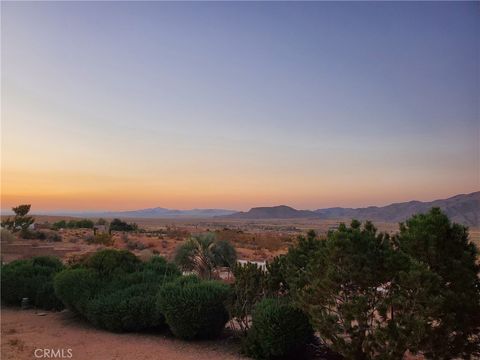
(126, 105)
(50, 191)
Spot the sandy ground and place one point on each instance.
(23, 331)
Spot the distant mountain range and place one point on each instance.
(464, 209)
(159, 212)
(153, 213)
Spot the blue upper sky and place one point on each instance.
(238, 104)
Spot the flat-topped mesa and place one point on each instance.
(273, 212)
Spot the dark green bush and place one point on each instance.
(279, 331)
(143, 313)
(188, 280)
(160, 266)
(109, 262)
(31, 279)
(14, 281)
(49, 262)
(73, 224)
(62, 224)
(116, 292)
(130, 309)
(194, 308)
(156, 271)
(104, 311)
(84, 223)
(45, 297)
(119, 225)
(76, 287)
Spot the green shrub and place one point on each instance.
(110, 261)
(130, 309)
(143, 313)
(279, 331)
(110, 295)
(62, 224)
(156, 271)
(16, 283)
(73, 224)
(138, 277)
(188, 280)
(194, 308)
(160, 266)
(249, 289)
(31, 279)
(76, 287)
(119, 225)
(84, 224)
(49, 262)
(45, 297)
(104, 311)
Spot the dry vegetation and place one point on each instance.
(257, 240)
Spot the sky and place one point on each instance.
(127, 105)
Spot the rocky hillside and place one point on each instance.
(464, 209)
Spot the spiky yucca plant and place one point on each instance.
(202, 254)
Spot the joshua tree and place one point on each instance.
(20, 221)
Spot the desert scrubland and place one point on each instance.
(140, 306)
(255, 240)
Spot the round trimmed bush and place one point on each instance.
(115, 291)
(193, 308)
(115, 296)
(130, 309)
(279, 331)
(33, 279)
(109, 262)
(142, 311)
(45, 297)
(75, 287)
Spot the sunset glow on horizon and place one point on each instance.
(121, 106)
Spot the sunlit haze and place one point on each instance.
(132, 105)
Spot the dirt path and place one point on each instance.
(24, 331)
